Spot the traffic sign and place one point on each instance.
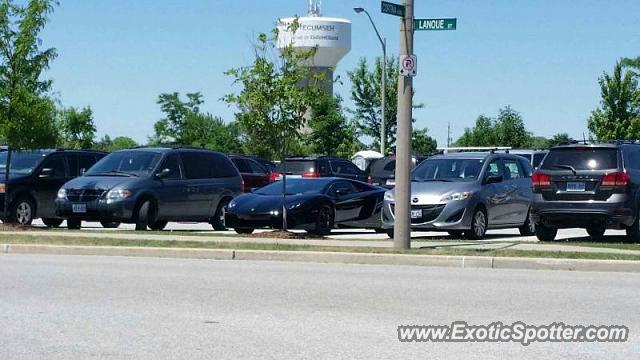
(408, 65)
(392, 9)
(435, 24)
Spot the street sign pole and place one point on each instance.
(402, 229)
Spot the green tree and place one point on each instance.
(618, 116)
(77, 130)
(507, 129)
(559, 138)
(422, 143)
(271, 103)
(633, 63)
(26, 111)
(120, 142)
(539, 142)
(365, 93)
(331, 132)
(482, 134)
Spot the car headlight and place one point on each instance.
(456, 196)
(118, 194)
(62, 194)
(232, 204)
(389, 196)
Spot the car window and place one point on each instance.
(298, 167)
(323, 167)
(581, 158)
(342, 187)
(56, 164)
(493, 169)
(133, 162)
(172, 162)
(242, 165)
(447, 169)
(204, 165)
(344, 167)
(537, 159)
(256, 168)
(633, 161)
(511, 169)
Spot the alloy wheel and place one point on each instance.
(480, 223)
(23, 213)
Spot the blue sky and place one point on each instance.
(542, 57)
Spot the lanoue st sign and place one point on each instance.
(435, 24)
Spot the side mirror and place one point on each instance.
(494, 179)
(163, 174)
(45, 173)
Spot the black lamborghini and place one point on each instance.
(316, 205)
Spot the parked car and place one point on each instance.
(270, 165)
(382, 172)
(467, 193)
(151, 186)
(315, 205)
(595, 187)
(254, 175)
(34, 179)
(321, 166)
(533, 156)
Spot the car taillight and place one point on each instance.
(540, 180)
(616, 179)
(369, 180)
(311, 175)
(275, 176)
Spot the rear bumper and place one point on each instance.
(98, 210)
(617, 212)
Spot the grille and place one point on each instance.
(84, 194)
(429, 212)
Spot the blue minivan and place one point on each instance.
(152, 186)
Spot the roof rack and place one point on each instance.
(625, 142)
(491, 149)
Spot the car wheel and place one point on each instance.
(633, 231)
(218, 221)
(52, 223)
(390, 233)
(456, 233)
(545, 233)
(244, 231)
(596, 232)
(143, 216)
(478, 225)
(74, 224)
(158, 225)
(529, 227)
(380, 231)
(109, 224)
(23, 211)
(324, 221)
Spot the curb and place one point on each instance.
(475, 262)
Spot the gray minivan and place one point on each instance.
(152, 186)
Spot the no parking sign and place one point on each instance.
(408, 65)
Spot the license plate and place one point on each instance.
(416, 214)
(79, 208)
(391, 182)
(575, 186)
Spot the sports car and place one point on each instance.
(316, 205)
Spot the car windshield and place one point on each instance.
(297, 167)
(22, 162)
(294, 187)
(126, 163)
(448, 170)
(581, 158)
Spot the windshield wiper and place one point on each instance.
(113, 172)
(568, 167)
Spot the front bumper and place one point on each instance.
(616, 212)
(452, 215)
(97, 210)
(270, 220)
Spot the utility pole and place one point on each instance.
(383, 100)
(448, 134)
(402, 227)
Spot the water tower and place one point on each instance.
(331, 36)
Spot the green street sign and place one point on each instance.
(392, 9)
(435, 24)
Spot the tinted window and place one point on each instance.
(242, 165)
(256, 168)
(298, 167)
(582, 159)
(344, 167)
(343, 187)
(56, 164)
(448, 169)
(493, 169)
(172, 162)
(139, 163)
(204, 165)
(511, 169)
(81, 162)
(294, 187)
(22, 162)
(537, 159)
(634, 160)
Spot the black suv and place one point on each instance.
(152, 186)
(321, 166)
(382, 172)
(34, 179)
(591, 186)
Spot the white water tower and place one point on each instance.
(331, 36)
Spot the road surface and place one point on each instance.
(83, 307)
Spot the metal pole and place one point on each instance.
(402, 227)
(383, 95)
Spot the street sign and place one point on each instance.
(392, 9)
(408, 65)
(435, 24)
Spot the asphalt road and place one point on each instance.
(66, 307)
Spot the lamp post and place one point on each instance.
(383, 86)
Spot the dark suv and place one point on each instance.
(382, 172)
(34, 179)
(151, 186)
(321, 166)
(254, 174)
(591, 186)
